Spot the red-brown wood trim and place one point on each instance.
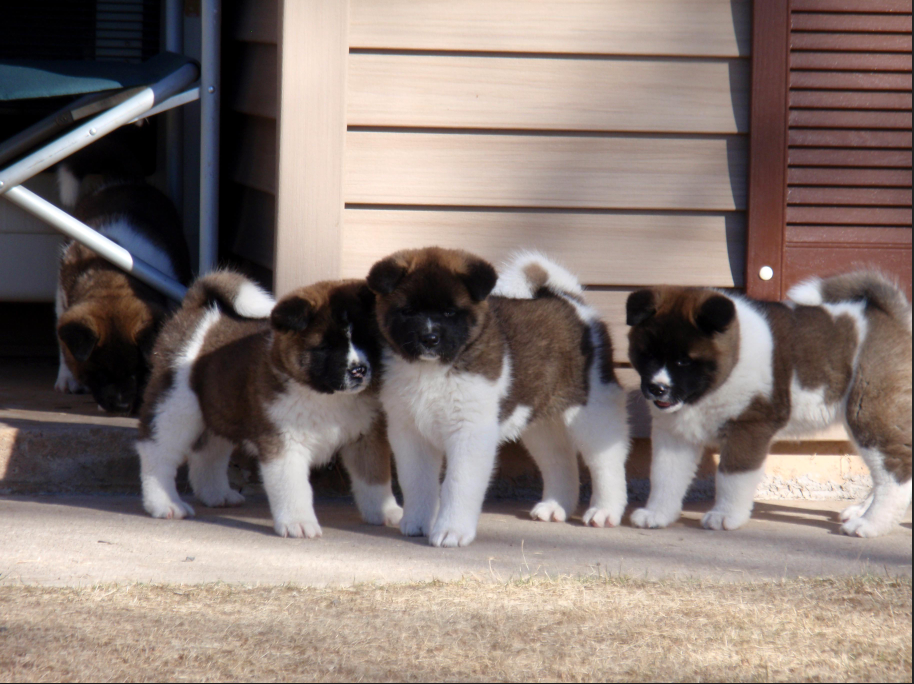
(814, 156)
(850, 61)
(851, 6)
(850, 80)
(849, 235)
(852, 42)
(876, 23)
(832, 177)
(804, 137)
(876, 216)
(767, 147)
(849, 99)
(828, 118)
(860, 197)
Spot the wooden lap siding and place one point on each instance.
(610, 134)
(830, 180)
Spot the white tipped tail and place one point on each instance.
(68, 185)
(527, 273)
(233, 291)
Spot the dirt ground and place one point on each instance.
(601, 628)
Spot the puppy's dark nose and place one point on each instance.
(430, 340)
(358, 372)
(657, 389)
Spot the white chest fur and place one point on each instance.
(321, 423)
(439, 400)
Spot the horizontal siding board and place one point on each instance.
(851, 42)
(830, 118)
(875, 23)
(874, 216)
(901, 6)
(28, 263)
(550, 94)
(618, 172)
(252, 88)
(719, 28)
(894, 159)
(849, 235)
(850, 61)
(253, 21)
(601, 249)
(836, 99)
(253, 159)
(803, 137)
(888, 178)
(849, 80)
(868, 197)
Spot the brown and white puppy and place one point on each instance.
(465, 370)
(291, 389)
(723, 370)
(107, 320)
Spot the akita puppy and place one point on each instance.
(724, 370)
(466, 368)
(291, 390)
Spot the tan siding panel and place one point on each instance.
(888, 178)
(849, 216)
(551, 94)
(661, 27)
(13, 219)
(849, 80)
(894, 159)
(253, 21)
(838, 99)
(545, 171)
(868, 197)
(253, 158)
(600, 248)
(858, 139)
(252, 89)
(826, 118)
(876, 23)
(28, 263)
(850, 61)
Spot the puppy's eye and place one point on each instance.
(682, 363)
(450, 313)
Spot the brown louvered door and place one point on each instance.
(830, 141)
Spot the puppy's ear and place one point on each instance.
(479, 278)
(292, 314)
(79, 338)
(715, 315)
(385, 275)
(639, 307)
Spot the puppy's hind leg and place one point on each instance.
(367, 461)
(888, 501)
(550, 446)
(600, 431)
(208, 472)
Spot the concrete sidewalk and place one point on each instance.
(82, 540)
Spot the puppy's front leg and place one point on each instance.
(470, 461)
(673, 465)
(743, 450)
(286, 471)
(418, 469)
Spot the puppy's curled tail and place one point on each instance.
(232, 291)
(529, 275)
(870, 286)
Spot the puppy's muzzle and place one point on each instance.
(357, 373)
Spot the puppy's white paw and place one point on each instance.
(67, 384)
(601, 517)
(646, 517)
(549, 511)
(223, 499)
(298, 529)
(389, 514)
(720, 520)
(413, 528)
(393, 515)
(854, 511)
(452, 536)
(864, 527)
(170, 510)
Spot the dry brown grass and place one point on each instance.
(568, 629)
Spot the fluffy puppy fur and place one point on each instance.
(466, 370)
(107, 320)
(291, 389)
(724, 370)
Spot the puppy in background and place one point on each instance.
(466, 369)
(724, 370)
(107, 320)
(291, 384)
